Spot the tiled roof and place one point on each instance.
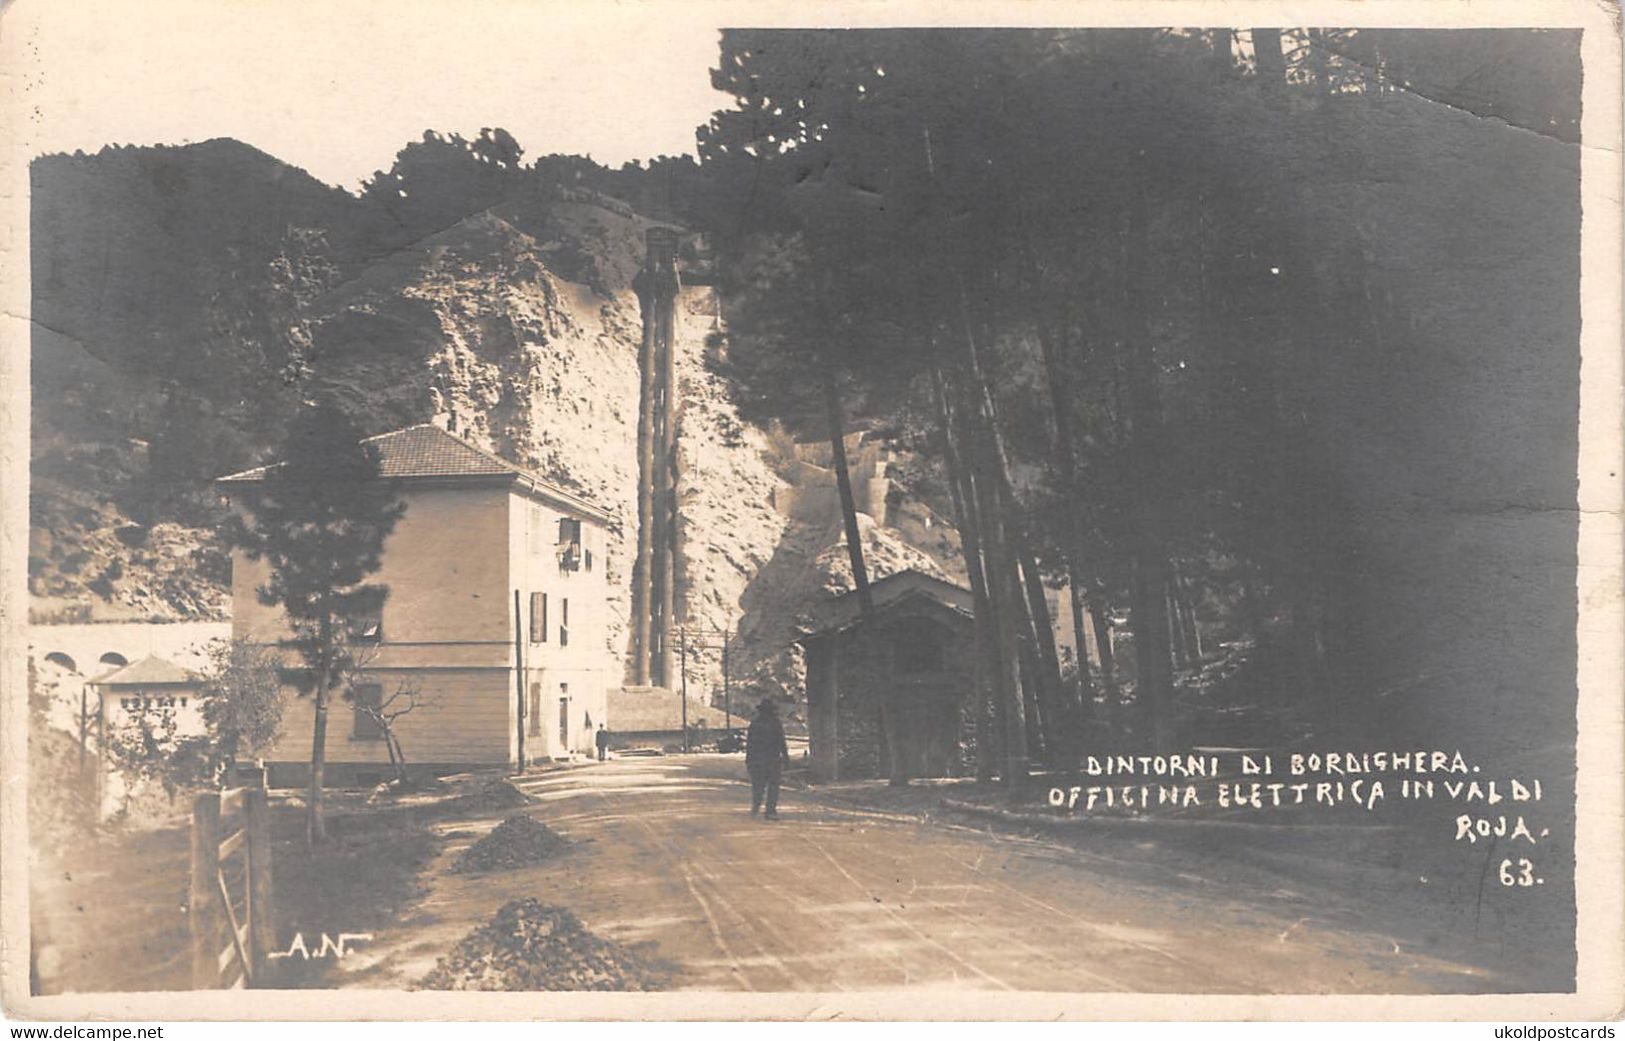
(844, 612)
(427, 450)
(149, 671)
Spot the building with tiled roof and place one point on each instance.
(154, 690)
(430, 452)
(149, 671)
(496, 615)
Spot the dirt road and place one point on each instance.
(832, 898)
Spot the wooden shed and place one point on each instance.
(918, 648)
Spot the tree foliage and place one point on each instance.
(319, 519)
(240, 702)
(1150, 282)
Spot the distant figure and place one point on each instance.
(601, 739)
(766, 756)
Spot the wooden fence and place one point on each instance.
(232, 925)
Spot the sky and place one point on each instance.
(338, 88)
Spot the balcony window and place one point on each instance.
(569, 544)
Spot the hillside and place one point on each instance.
(517, 319)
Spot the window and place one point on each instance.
(538, 618)
(587, 558)
(569, 544)
(535, 710)
(564, 622)
(564, 717)
(365, 696)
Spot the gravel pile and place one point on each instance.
(530, 946)
(485, 795)
(519, 841)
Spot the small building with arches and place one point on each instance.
(153, 692)
(69, 655)
(918, 647)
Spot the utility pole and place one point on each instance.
(519, 676)
(727, 697)
(682, 650)
(84, 723)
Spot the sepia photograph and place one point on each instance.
(635, 498)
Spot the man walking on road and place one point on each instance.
(766, 756)
(601, 740)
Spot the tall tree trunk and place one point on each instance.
(1318, 64)
(1301, 574)
(1224, 60)
(315, 821)
(1271, 61)
(1003, 581)
(994, 665)
(1149, 620)
(1180, 648)
(1187, 617)
(890, 716)
(1102, 625)
(1059, 712)
(843, 486)
(970, 544)
(1040, 731)
(1086, 684)
(1068, 466)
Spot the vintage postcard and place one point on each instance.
(901, 511)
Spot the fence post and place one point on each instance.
(262, 925)
(202, 901)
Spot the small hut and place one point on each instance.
(152, 689)
(918, 647)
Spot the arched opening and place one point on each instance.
(115, 659)
(58, 658)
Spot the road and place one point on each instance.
(832, 898)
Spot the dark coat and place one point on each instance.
(764, 743)
(601, 739)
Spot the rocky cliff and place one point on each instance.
(516, 319)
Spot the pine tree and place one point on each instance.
(319, 519)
